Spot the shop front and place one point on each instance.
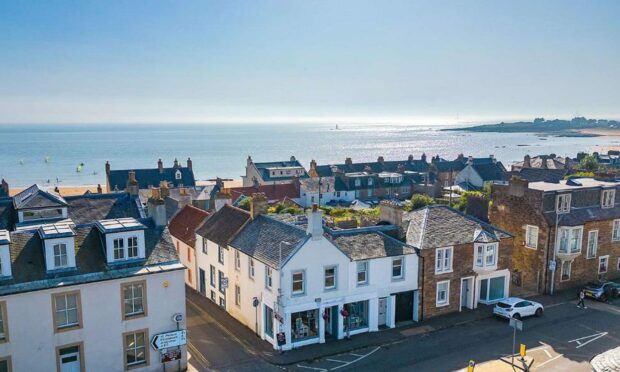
(493, 287)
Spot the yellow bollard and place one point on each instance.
(470, 366)
(522, 350)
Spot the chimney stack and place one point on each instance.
(160, 166)
(156, 208)
(348, 161)
(5, 187)
(164, 190)
(189, 164)
(493, 158)
(410, 158)
(99, 189)
(527, 162)
(249, 161)
(258, 204)
(176, 163)
(315, 222)
(392, 213)
(293, 158)
(380, 160)
(107, 168)
(132, 184)
(312, 164)
(517, 186)
(221, 199)
(423, 157)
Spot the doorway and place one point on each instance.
(70, 359)
(382, 311)
(404, 306)
(466, 293)
(331, 321)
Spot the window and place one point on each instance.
(370, 182)
(618, 267)
(565, 271)
(592, 243)
(443, 260)
(222, 302)
(603, 262)
(134, 299)
(358, 182)
(220, 256)
(443, 293)
(119, 248)
(570, 239)
(132, 247)
(486, 255)
(189, 255)
(615, 232)
(358, 316)
(220, 281)
(397, 268)
(212, 275)
(304, 325)
(298, 282)
(531, 236)
(60, 255)
(268, 277)
(237, 260)
(251, 268)
(213, 296)
(136, 350)
(237, 295)
(608, 198)
(329, 281)
(4, 329)
(5, 364)
(66, 310)
(362, 273)
(562, 203)
(204, 246)
(492, 289)
(268, 321)
(177, 175)
(190, 276)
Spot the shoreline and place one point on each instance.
(602, 132)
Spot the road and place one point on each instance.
(564, 339)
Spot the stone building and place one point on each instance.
(175, 176)
(273, 172)
(582, 212)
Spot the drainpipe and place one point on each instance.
(555, 243)
(421, 290)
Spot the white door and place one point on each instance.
(382, 310)
(70, 362)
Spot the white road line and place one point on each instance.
(593, 337)
(547, 352)
(313, 368)
(356, 355)
(549, 361)
(336, 360)
(356, 360)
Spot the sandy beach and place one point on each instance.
(607, 132)
(64, 190)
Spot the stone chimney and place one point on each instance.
(190, 164)
(219, 183)
(567, 161)
(132, 184)
(160, 166)
(293, 158)
(164, 190)
(517, 186)
(410, 158)
(255, 182)
(249, 161)
(312, 164)
(380, 160)
(107, 168)
(492, 157)
(315, 222)
(99, 189)
(543, 163)
(176, 163)
(527, 162)
(423, 157)
(391, 212)
(258, 204)
(221, 199)
(156, 208)
(470, 160)
(348, 161)
(5, 187)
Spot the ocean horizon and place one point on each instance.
(72, 154)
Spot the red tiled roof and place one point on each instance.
(272, 192)
(184, 224)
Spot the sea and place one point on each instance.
(71, 155)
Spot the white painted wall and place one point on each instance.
(33, 343)
(5, 260)
(306, 198)
(468, 174)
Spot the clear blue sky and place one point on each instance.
(206, 61)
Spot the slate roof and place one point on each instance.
(117, 179)
(222, 226)
(263, 169)
(375, 167)
(311, 185)
(539, 174)
(6, 213)
(448, 165)
(273, 193)
(28, 262)
(261, 239)
(491, 171)
(88, 208)
(579, 216)
(36, 197)
(184, 224)
(441, 226)
(368, 244)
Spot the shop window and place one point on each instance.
(358, 316)
(304, 325)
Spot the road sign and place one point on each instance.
(224, 283)
(516, 323)
(551, 265)
(170, 356)
(169, 339)
(255, 302)
(281, 337)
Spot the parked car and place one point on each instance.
(514, 307)
(598, 290)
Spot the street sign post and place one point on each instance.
(224, 283)
(169, 339)
(515, 324)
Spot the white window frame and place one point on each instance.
(132, 247)
(402, 268)
(593, 242)
(562, 203)
(118, 245)
(178, 175)
(205, 247)
(447, 300)
(358, 182)
(251, 268)
(443, 263)
(237, 295)
(608, 198)
(606, 259)
(481, 259)
(370, 182)
(60, 255)
(531, 236)
(335, 276)
(237, 260)
(570, 230)
(366, 265)
(268, 277)
(615, 231)
(220, 254)
(303, 282)
(570, 269)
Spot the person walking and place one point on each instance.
(609, 291)
(581, 304)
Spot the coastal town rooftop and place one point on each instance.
(565, 185)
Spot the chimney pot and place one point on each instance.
(380, 159)
(189, 164)
(160, 166)
(293, 158)
(348, 161)
(423, 157)
(99, 189)
(107, 168)
(258, 205)
(176, 163)
(313, 164)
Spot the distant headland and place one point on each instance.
(576, 127)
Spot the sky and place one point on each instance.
(430, 62)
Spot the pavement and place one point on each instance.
(565, 337)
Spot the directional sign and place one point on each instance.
(169, 339)
(516, 323)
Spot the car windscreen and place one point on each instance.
(504, 305)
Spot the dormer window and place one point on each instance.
(370, 182)
(119, 248)
(124, 239)
(58, 245)
(608, 198)
(177, 175)
(5, 256)
(562, 203)
(132, 247)
(60, 255)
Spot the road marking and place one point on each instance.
(547, 352)
(549, 361)
(313, 368)
(591, 338)
(357, 355)
(356, 360)
(336, 360)
(198, 355)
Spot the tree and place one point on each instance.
(589, 163)
(421, 200)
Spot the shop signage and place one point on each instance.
(170, 356)
(281, 337)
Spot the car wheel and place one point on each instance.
(516, 316)
(539, 311)
(603, 298)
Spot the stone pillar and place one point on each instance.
(340, 323)
(373, 314)
(321, 325)
(390, 316)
